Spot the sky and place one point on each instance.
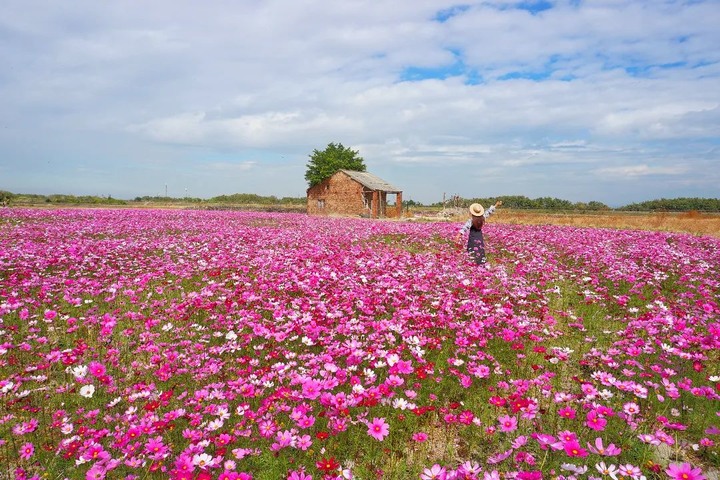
(616, 101)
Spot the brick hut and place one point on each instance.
(348, 192)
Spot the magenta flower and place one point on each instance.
(507, 423)
(567, 412)
(311, 389)
(96, 369)
(684, 471)
(96, 472)
(298, 475)
(420, 437)
(573, 449)
(27, 450)
(378, 429)
(595, 421)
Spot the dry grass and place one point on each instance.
(692, 222)
(688, 222)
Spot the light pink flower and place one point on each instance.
(436, 472)
(599, 449)
(507, 423)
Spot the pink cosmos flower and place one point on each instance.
(303, 442)
(228, 475)
(469, 469)
(630, 470)
(311, 389)
(299, 475)
(378, 429)
(567, 412)
(507, 423)
(420, 437)
(595, 421)
(544, 440)
(566, 436)
(631, 408)
(573, 449)
(96, 369)
(96, 472)
(519, 442)
(27, 450)
(436, 472)
(599, 449)
(404, 367)
(684, 471)
(499, 457)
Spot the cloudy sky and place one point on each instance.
(616, 101)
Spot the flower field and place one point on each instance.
(154, 344)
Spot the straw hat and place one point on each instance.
(476, 210)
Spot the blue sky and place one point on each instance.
(615, 101)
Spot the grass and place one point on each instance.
(694, 222)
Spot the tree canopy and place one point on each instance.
(323, 164)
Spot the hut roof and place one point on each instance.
(371, 181)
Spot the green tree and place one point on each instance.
(6, 198)
(323, 164)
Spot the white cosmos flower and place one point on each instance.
(203, 460)
(215, 425)
(87, 391)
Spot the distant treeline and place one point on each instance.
(252, 199)
(9, 198)
(676, 205)
(511, 201)
(543, 203)
(548, 203)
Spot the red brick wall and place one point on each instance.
(341, 196)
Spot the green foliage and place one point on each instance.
(335, 157)
(253, 199)
(159, 199)
(682, 204)
(60, 199)
(6, 197)
(522, 202)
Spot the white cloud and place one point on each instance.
(640, 171)
(582, 92)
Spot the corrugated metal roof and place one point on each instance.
(371, 181)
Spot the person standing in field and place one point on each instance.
(473, 229)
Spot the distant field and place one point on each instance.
(693, 222)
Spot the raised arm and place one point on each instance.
(492, 208)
